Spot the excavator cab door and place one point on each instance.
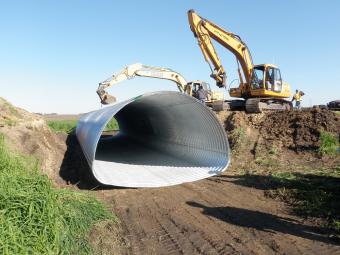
(257, 80)
(277, 80)
(206, 86)
(195, 88)
(273, 80)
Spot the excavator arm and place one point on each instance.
(138, 69)
(205, 31)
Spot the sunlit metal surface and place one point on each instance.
(165, 138)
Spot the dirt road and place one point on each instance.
(213, 216)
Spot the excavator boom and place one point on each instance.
(204, 31)
(214, 99)
(138, 69)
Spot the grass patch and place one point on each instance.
(12, 109)
(329, 144)
(237, 138)
(267, 157)
(274, 150)
(69, 126)
(63, 126)
(9, 123)
(36, 218)
(313, 194)
(267, 161)
(112, 125)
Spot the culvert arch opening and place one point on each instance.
(164, 138)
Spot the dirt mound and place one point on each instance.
(295, 130)
(28, 133)
(299, 130)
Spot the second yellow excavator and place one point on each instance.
(260, 85)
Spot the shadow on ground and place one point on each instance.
(264, 222)
(309, 195)
(75, 169)
(287, 180)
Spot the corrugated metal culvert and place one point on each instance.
(164, 138)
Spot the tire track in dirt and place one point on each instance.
(264, 241)
(212, 197)
(153, 235)
(194, 218)
(199, 244)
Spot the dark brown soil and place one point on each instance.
(300, 130)
(296, 130)
(214, 216)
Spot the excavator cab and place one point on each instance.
(195, 85)
(266, 77)
(214, 99)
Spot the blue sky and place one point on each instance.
(53, 54)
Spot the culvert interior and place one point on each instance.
(164, 138)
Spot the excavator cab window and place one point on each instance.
(196, 86)
(257, 77)
(269, 84)
(206, 86)
(273, 79)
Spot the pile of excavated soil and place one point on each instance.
(28, 133)
(295, 130)
(299, 130)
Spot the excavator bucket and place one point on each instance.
(105, 98)
(108, 99)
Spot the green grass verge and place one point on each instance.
(69, 126)
(329, 144)
(35, 217)
(315, 193)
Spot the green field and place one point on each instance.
(35, 217)
(64, 126)
(69, 126)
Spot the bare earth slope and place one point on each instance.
(219, 215)
(29, 134)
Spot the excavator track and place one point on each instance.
(258, 105)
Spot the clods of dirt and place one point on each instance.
(295, 130)
(299, 130)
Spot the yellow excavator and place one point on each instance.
(215, 99)
(261, 86)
